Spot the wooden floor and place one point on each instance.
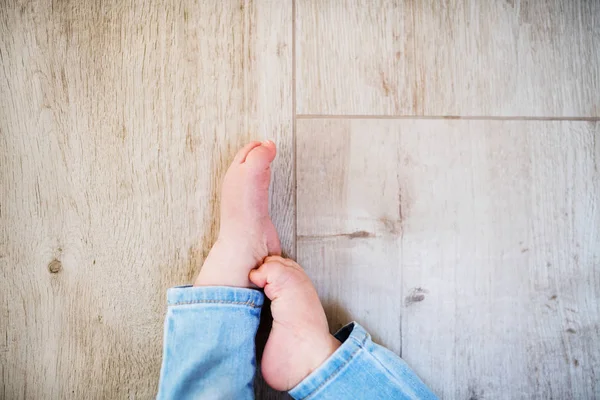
(437, 176)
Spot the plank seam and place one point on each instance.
(446, 117)
(294, 147)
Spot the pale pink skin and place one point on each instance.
(299, 340)
(246, 234)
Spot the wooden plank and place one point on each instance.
(477, 243)
(117, 122)
(348, 224)
(451, 57)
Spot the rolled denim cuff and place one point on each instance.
(188, 294)
(209, 349)
(353, 338)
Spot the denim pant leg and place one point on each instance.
(361, 369)
(208, 350)
(209, 354)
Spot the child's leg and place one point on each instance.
(299, 340)
(246, 234)
(209, 329)
(302, 357)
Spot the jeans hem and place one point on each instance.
(189, 295)
(353, 338)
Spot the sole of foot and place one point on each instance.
(246, 233)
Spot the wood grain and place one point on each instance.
(117, 122)
(347, 226)
(451, 57)
(471, 248)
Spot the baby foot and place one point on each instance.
(299, 340)
(246, 234)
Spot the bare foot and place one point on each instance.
(299, 340)
(246, 234)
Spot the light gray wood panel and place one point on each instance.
(117, 122)
(474, 246)
(451, 57)
(348, 224)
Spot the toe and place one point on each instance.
(241, 155)
(288, 262)
(260, 157)
(267, 273)
(276, 258)
(273, 276)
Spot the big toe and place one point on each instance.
(241, 155)
(260, 157)
(277, 275)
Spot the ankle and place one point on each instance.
(320, 351)
(323, 350)
(227, 265)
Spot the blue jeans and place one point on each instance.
(209, 354)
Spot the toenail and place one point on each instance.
(268, 142)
